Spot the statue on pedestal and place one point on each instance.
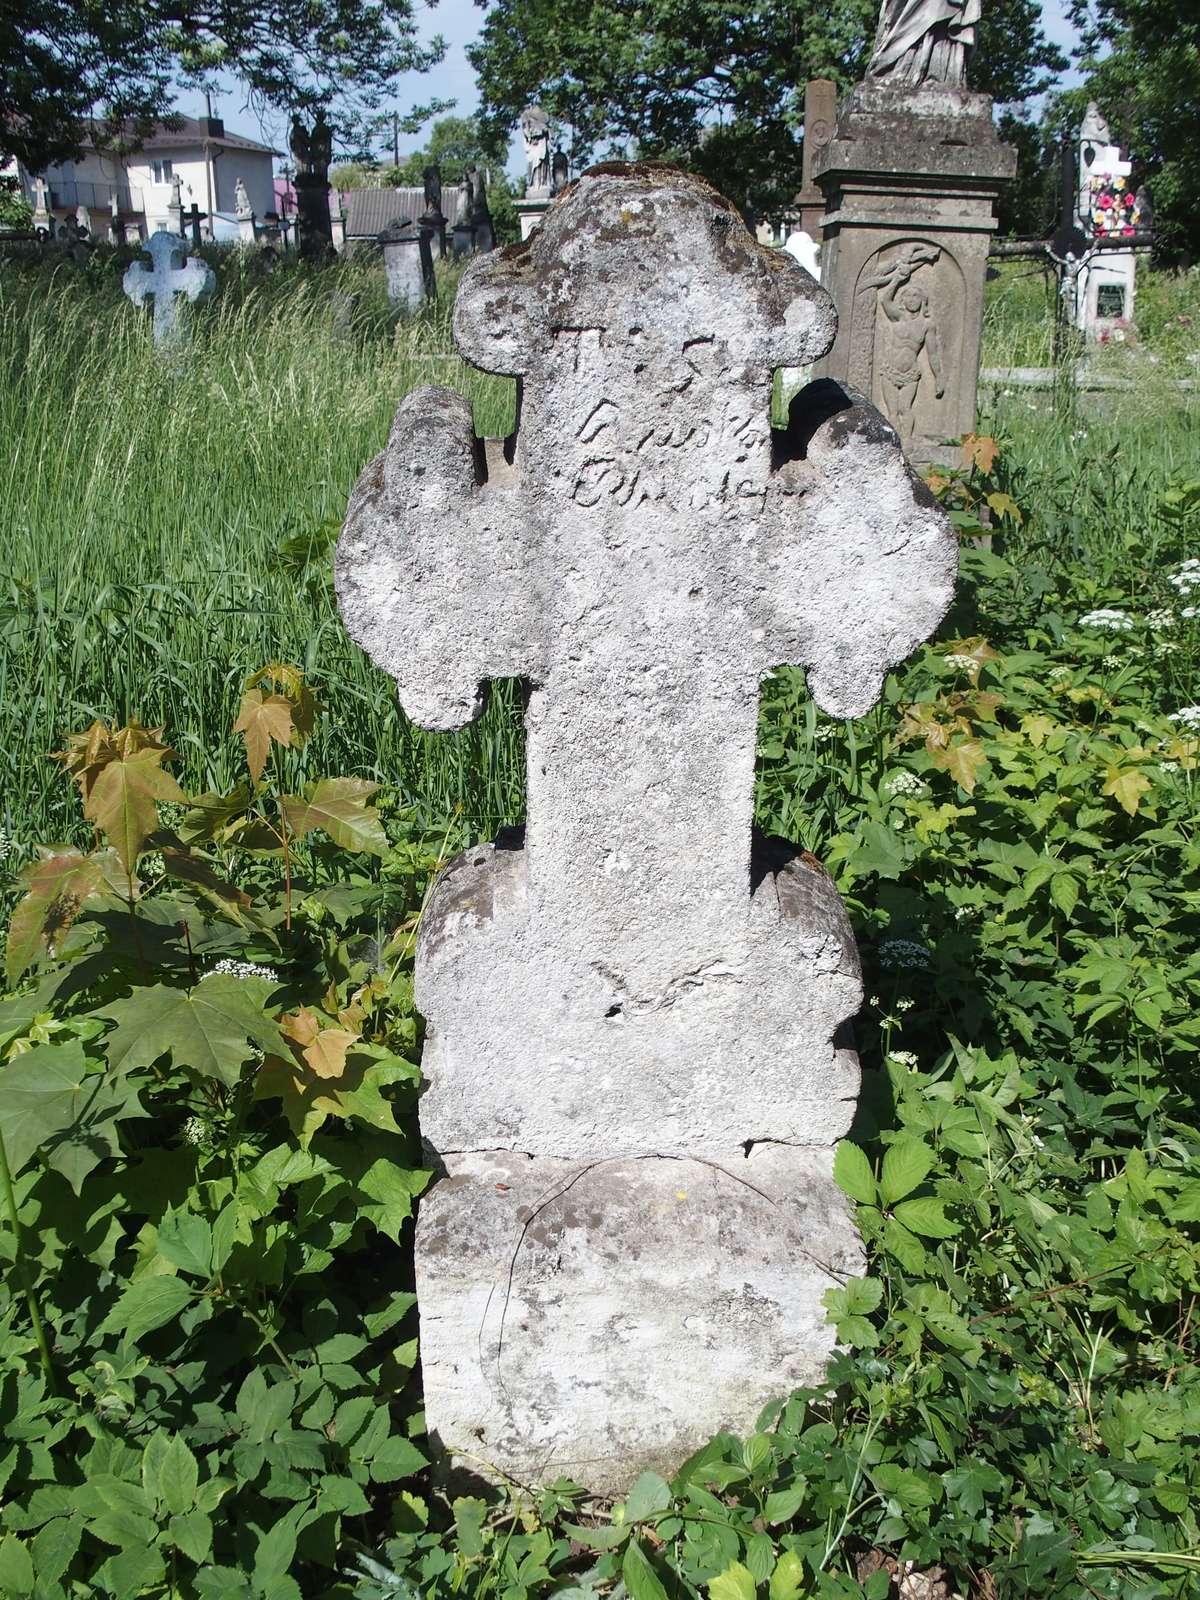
(924, 41)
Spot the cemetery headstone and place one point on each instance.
(479, 214)
(636, 1057)
(533, 204)
(433, 220)
(312, 151)
(83, 223)
(1108, 209)
(407, 266)
(42, 218)
(910, 179)
(820, 120)
(169, 276)
(175, 208)
(337, 219)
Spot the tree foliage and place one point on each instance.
(61, 60)
(1142, 60)
(715, 86)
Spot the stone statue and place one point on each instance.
(535, 132)
(312, 151)
(905, 329)
(241, 200)
(1094, 129)
(924, 41)
(433, 189)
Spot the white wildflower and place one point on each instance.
(1060, 672)
(8, 847)
(1187, 577)
(960, 662)
(1168, 647)
(245, 969)
(1189, 716)
(824, 732)
(965, 913)
(1110, 660)
(903, 953)
(1160, 619)
(905, 783)
(1168, 766)
(903, 1058)
(196, 1131)
(1107, 617)
(905, 1003)
(1190, 611)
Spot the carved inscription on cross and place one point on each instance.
(170, 275)
(644, 553)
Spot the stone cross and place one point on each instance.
(165, 280)
(635, 1056)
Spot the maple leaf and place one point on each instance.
(979, 450)
(211, 816)
(123, 800)
(963, 761)
(922, 721)
(263, 717)
(1036, 729)
(51, 1101)
(1005, 506)
(56, 887)
(338, 806)
(322, 1049)
(212, 1029)
(1127, 786)
(308, 1098)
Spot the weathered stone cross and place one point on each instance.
(164, 280)
(633, 1078)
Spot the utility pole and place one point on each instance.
(208, 162)
(395, 138)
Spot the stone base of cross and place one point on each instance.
(637, 1062)
(171, 274)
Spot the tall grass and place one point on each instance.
(157, 517)
(166, 525)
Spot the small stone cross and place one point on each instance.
(165, 280)
(635, 1060)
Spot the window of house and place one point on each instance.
(163, 171)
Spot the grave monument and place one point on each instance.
(312, 151)
(910, 180)
(1108, 209)
(820, 120)
(170, 275)
(637, 1061)
(539, 178)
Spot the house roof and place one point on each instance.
(191, 132)
(369, 211)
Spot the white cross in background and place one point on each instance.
(193, 278)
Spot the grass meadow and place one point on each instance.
(204, 1302)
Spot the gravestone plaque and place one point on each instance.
(170, 275)
(636, 1057)
(1109, 209)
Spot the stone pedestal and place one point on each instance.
(312, 215)
(403, 266)
(247, 228)
(910, 179)
(531, 209)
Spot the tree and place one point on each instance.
(1148, 87)
(716, 86)
(62, 59)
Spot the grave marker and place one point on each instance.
(636, 1058)
(171, 275)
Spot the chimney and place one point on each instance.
(212, 127)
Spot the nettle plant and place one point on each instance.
(208, 1159)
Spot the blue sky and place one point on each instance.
(459, 22)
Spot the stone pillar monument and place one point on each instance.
(312, 151)
(404, 265)
(637, 1058)
(820, 120)
(911, 178)
(43, 220)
